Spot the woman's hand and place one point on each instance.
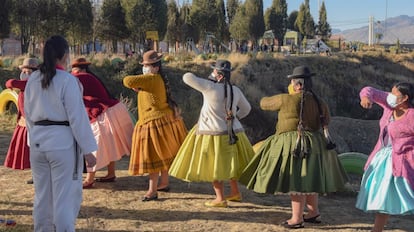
(90, 160)
(366, 103)
(136, 89)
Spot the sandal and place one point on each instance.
(106, 179)
(86, 185)
(315, 220)
(293, 226)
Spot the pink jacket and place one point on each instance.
(401, 132)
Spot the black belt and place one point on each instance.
(50, 123)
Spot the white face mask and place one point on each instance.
(146, 69)
(392, 100)
(24, 76)
(212, 76)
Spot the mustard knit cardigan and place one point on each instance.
(152, 97)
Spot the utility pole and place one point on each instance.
(371, 31)
(385, 21)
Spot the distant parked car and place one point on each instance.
(316, 46)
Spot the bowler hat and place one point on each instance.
(300, 72)
(80, 62)
(151, 57)
(222, 65)
(31, 63)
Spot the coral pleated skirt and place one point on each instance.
(18, 155)
(207, 158)
(155, 144)
(113, 133)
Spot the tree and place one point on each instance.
(324, 29)
(111, 24)
(203, 16)
(304, 21)
(51, 20)
(26, 21)
(254, 13)
(276, 19)
(222, 30)
(146, 15)
(239, 27)
(173, 26)
(4, 22)
(291, 21)
(159, 16)
(232, 6)
(79, 20)
(188, 32)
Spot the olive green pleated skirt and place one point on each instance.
(207, 158)
(274, 169)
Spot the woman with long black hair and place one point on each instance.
(59, 132)
(160, 129)
(216, 149)
(296, 159)
(387, 186)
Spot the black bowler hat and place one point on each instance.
(300, 72)
(222, 65)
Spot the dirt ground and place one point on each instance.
(118, 207)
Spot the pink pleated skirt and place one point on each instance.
(113, 133)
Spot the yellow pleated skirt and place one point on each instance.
(206, 158)
(155, 144)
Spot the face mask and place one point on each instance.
(146, 70)
(212, 76)
(392, 100)
(24, 76)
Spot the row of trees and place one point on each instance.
(128, 20)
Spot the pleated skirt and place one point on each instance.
(275, 170)
(381, 192)
(18, 155)
(207, 158)
(113, 133)
(155, 144)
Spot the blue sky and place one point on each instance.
(348, 14)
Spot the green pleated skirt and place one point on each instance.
(207, 158)
(275, 170)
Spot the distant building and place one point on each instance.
(292, 38)
(11, 47)
(291, 41)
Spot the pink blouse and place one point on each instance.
(401, 132)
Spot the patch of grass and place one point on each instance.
(7, 122)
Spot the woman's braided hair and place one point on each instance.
(171, 102)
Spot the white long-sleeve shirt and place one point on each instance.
(61, 101)
(213, 114)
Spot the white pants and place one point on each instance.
(57, 195)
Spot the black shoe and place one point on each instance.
(151, 198)
(293, 226)
(29, 181)
(314, 220)
(165, 189)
